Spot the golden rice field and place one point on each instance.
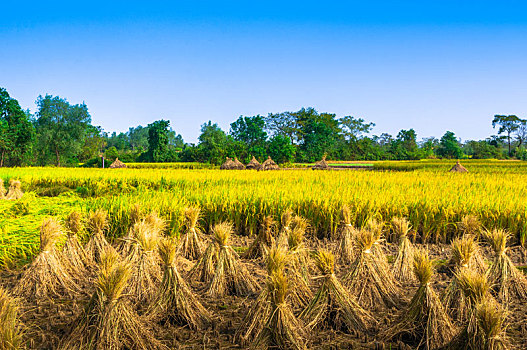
(433, 199)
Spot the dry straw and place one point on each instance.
(263, 241)
(507, 281)
(285, 222)
(74, 256)
(345, 248)
(15, 190)
(97, 225)
(369, 279)
(404, 262)
(109, 322)
(333, 306)
(470, 225)
(175, 302)
(11, 332)
(46, 276)
(424, 322)
(191, 242)
(230, 276)
(2, 189)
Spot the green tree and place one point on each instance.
(251, 132)
(508, 124)
(94, 143)
(281, 149)
(285, 123)
(61, 129)
(320, 133)
(449, 146)
(158, 139)
(16, 131)
(353, 128)
(404, 147)
(213, 142)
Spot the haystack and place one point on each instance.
(232, 164)
(230, 276)
(2, 189)
(109, 321)
(97, 225)
(507, 281)
(46, 276)
(269, 164)
(237, 164)
(253, 164)
(333, 306)
(321, 165)
(117, 164)
(458, 168)
(370, 279)
(11, 329)
(263, 241)
(345, 247)
(403, 267)
(175, 302)
(191, 246)
(424, 323)
(15, 190)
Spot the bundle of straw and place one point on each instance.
(97, 224)
(2, 189)
(175, 302)
(298, 268)
(73, 254)
(191, 242)
(424, 322)
(345, 248)
(11, 331)
(470, 225)
(403, 266)
(507, 281)
(285, 222)
(15, 190)
(109, 322)
(333, 307)
(263, 241)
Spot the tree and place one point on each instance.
(508, 124)
(281, 149)
(213, 143)
(251, 132)
(158, 138)
(285, 123)
(449, 146)
(405, 145)
(319, 133)
(521, 133)
(61, 129)
(16, 131)
(353, 128)
(94, 143)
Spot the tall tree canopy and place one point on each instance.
(61, 129)
(16, 131)
(158, 139)
(449, 146)
(507, 124)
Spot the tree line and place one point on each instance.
(62, 134)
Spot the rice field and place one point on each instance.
(264, 258)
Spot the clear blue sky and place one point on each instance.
(430, 65)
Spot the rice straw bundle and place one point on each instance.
(15, 190)
(368, 279)
(298, 265)
(263, 241)
(345, 248)
(175, 302)
(109, 322)
(2, 189)
(507, 281)
(470, 225)
(333, 306)
(10, 327)
(46, 276)
(191, 244)
(97, 224)
(285, 222)
(424, 323)
(230, 276)
(145, 269)
(404, 264)
(136, 213)
(73, 254)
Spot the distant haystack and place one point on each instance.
(117, 164)
(321, 165)
(253, 164)
(228, 165)
(238, 165)
(2, 189)
(15, 190)
(458, 168)
(269, 164)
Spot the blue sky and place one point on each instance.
(430, 65)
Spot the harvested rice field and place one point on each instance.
(405, 256)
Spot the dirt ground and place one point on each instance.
(48, 321)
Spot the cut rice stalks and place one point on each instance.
(11, 330)
(369, 280)
(2, 189)
(109, 322)
(285, 222)
(46, 277)
(191, 243)
(470, 225)
(230, 276)
(175, 302)
(263, 241)
(73, 254)
(15, 190)
(424, 323)
(333, 307)
(298, 268)
(404, 262)
(506, 280)
(97, 225)
(345, 248)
